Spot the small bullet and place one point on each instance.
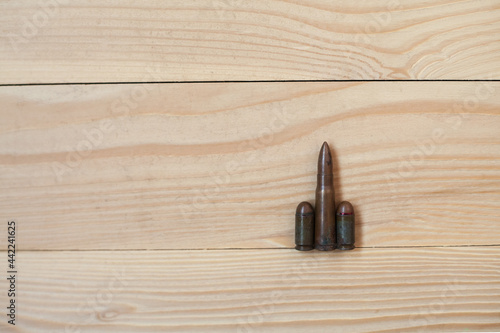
(345, 226)
(325, 239)
(304, 227)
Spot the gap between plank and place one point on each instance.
(252, 248)
(235, 81)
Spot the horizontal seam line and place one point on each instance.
(235, 81)
(249, 248)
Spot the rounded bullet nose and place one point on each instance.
(304, 208)
(345, 208)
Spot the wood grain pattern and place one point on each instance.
(132, 41)
(205, 177)
(366, 290)
(194, 166)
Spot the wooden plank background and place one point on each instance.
(147, 201)
(224, 165)
(203, 40)
(366, 290)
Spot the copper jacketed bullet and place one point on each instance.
(345, 226)
(304, 227)
(325, 238)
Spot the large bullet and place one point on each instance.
(304, 227)
(325, 239)
(345, 226)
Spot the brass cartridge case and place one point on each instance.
(325, 238)
(345, 226)
(304, 227)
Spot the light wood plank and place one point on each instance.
(224, 165)
(366, 290)
(199, 40)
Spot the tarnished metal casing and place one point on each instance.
(345, 226)
(304, 227)
(325, 238)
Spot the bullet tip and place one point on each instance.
(304, 208)
(325, 160)
(345, 208)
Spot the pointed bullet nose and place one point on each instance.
(345, 208)
(325, 160)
